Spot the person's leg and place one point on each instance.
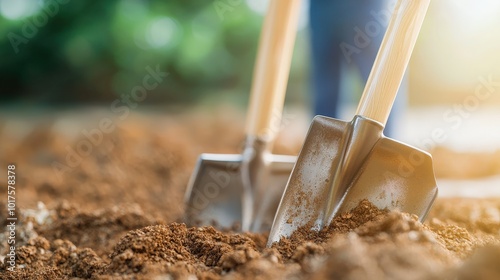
(325, 60)
(398, 109)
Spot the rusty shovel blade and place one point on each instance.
(217, 196)
(342, 163)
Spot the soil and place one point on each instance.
(117, 214)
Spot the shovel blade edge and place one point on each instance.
(215, 192)
(308, 186)
(395, 176)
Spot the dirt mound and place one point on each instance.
(41, 259)
(363, 243)
(201, 250)
(98, 229)
(116, 214)
(343, 223)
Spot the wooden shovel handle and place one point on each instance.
(392, 59)
(272, 68)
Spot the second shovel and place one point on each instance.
(245, 188)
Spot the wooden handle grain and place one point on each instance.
(272, 68)
(392, 59)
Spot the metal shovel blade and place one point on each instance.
(216, 192)
(342, 163)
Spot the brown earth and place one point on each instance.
(117, 214)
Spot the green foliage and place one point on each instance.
(95, 51)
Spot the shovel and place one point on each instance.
(342, 163)
(245, 189)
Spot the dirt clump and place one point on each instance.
(98, 229)
(343, 223)
(204, 249)
(482, 265)
(41, 259)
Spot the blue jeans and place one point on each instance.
(346, 33)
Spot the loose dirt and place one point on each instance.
(117, 214)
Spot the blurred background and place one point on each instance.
(89, 52)
(72, 53)
(65, 63)
(77, 52)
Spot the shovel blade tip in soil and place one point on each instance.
(216, 192)
(342, 163)
(400, 177)
(213, 194)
